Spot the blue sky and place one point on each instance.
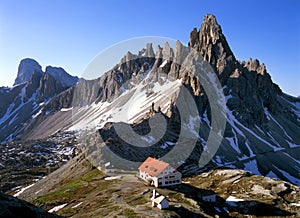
(71, 33)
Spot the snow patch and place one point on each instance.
(37, 114)
(232, 120)
(138, 102)
(231, 200)
(148, 139)
(167, 144)
(77, 205)
(164, 63)
(234, 143)
(66, 109)
(205, 118)
(57, 208)
(112, 178)
(270, 117)
(22, 190)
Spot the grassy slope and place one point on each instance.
(78, 182)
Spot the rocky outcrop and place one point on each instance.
(25, 70)
(23, 102)
(48, 88)
(180, 53)
(59, 74)
(7, 96)
(247, 84)
(213, 46)
(108, 86)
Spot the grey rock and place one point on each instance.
(25, 70)
(62, 76)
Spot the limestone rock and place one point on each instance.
(62, 76)
(25, 70)
(213, 46)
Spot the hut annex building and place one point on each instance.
(159, 173)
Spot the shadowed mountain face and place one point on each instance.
(262, 123)
(33, 89)
(25, 70)
(14, 207)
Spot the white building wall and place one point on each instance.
(168, 177)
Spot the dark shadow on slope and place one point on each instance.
(183, 212)
(259, 209)
(224, 208)
(14, 207)
(129, 152)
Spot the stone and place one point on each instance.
(25, 70)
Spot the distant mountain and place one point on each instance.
(62, 76)
(262, 123)
(33, 88)
(25, 70)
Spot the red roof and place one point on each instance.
(153, 166)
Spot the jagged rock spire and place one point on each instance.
(168, 52)
(149, 50)
(213, 46)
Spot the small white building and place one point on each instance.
(109, 168)
(159, 173)
(159, 201)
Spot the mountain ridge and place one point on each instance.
(33, 88)
(261, 119)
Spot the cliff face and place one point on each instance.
(213, 46)
(247, 84)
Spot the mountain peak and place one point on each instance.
(213, 46)
(61, 75)
(25, 70)
(210, 31)
(167, 51)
